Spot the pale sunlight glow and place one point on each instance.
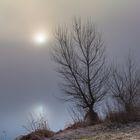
(39, 110)
(40, 38)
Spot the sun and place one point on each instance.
(40, 38)
(39, 110)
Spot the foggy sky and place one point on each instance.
(27, 74)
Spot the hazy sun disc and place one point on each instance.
(40, 110)
(40, 38)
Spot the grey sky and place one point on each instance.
(27, 76)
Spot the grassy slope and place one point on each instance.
(101, 132)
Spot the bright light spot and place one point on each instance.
(39, 110)
(40, 38)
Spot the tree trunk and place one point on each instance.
(91, 117)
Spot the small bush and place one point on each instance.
(36, 123)
(79, 124)
(38, 135)
(77, 116)
(123, 117)
(76, 125)
(38, 129)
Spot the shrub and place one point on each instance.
(38, 129)
(115, 113)
(123, 117)
(76, 125)
(38, 135)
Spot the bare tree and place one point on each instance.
(80, 54)
(125, 85)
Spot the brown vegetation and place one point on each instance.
(38, 135)
(122, 117)
(37, 128)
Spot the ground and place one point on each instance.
(129, 131)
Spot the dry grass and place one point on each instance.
(123, 117)
(76, 125)
(38, 128)
(38, 135)
(129, 131)
(80, 124)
